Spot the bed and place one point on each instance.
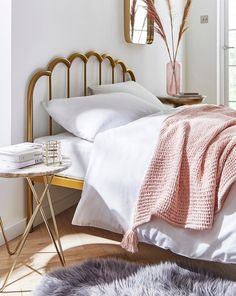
(116, 214)
(121, 150)
(100, 60)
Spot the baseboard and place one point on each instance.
(13, 231)
(59, 206)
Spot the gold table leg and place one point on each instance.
(6, 241)
(19, 247)
(54, 221)
(59, 252)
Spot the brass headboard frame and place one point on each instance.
(57, 180)
(68, 62)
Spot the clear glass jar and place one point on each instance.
(52, 152)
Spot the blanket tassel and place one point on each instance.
(130, 241)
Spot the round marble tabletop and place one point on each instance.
(37, 170)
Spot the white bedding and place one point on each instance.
(115, 173)
(77, 149)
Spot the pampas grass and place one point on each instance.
(184, 25)
(159, 29)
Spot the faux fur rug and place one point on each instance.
(113, 277)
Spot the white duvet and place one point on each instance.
(116, 170)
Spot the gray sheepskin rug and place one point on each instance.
(114, 277)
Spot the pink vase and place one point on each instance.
(173, 76)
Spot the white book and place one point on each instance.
(21, 152)
(6, 165)
(194, 96)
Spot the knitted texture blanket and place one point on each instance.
(191, 171)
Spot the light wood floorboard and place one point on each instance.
(79, 243)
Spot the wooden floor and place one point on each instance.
(79, 243)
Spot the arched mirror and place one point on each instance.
(138, 26)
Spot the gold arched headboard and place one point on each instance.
(68, 62)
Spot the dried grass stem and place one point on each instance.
(159, 29)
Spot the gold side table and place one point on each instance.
(47, 172)
(180, 101)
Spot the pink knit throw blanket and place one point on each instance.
(192, 169)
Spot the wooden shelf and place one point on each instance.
(180, 101)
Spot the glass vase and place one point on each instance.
(173, 76)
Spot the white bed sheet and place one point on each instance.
(77, 149)
(116, 171)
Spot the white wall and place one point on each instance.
(5, 65)
(9, 189)
(201, 50)
(43, 29)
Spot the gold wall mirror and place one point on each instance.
(139, 27)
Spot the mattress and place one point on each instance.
(76, 148)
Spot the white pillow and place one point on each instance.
(86, 116)
(130, 87)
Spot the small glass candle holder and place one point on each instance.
(52, 152)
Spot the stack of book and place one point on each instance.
(189, 95)
(20, 155)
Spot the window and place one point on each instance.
(230, 53)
